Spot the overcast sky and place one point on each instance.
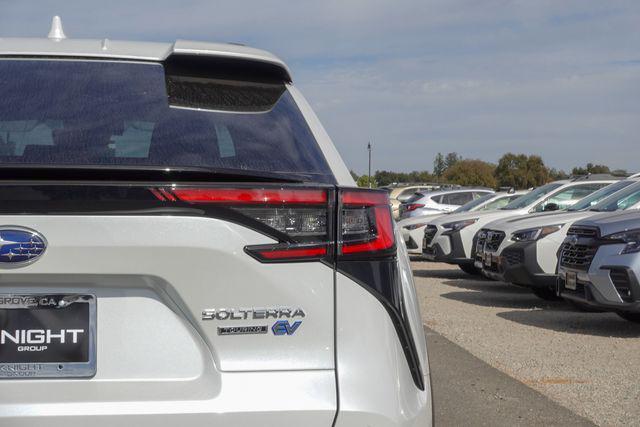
(556, 78)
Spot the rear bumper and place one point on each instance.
(241, 399)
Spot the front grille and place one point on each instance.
(513, 257)
(429, 233)
(493, 240)
(577, 256)
(583, 232)
(622, 283)
(481, 238)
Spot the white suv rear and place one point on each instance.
(181, 244)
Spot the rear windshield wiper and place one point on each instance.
(142, 173)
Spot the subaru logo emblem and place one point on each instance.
(20, 246)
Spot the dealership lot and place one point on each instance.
(585, 362)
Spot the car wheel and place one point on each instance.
(546, 294)
(631, 317)
(469, 269)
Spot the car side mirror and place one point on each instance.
(551, 207)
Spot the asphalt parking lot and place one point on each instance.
(501, 356)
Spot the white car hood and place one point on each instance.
(421, 219)
(483, 217)
(510, 225)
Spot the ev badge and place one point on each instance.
(283, 327)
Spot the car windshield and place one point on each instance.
(532, 197)
(118, 114)
(621, 200)
(599, 195)
(475, 203)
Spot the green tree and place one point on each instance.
(521, 171)
(451, 159)
(537, 172)
(363, 181)
(590, 168)
(556, 174)
(472, 173)
(439, 166)
(354, 175)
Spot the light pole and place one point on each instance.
(369, 149)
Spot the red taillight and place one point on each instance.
(252, 196)
(298, 217)
(365, 223)
(412, 207)
(287, 253)
(302, 219)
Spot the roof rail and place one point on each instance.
(635, 175)
(592, 177)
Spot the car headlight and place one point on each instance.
(630, 237)
(414, 226)
(533, 234)
(459, 225)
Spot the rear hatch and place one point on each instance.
(155, 222)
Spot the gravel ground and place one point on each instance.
(587, 362)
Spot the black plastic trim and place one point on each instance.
(527, 274)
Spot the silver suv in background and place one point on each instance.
(402, 194)
(181, 244)
(421, 204)
(600, 263)
(528, 255)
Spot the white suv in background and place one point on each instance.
(453, 239)
(413, 228)
(181, 245)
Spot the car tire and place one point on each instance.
(469, 269)
(631, 317)
(546, 294)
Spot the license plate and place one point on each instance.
(487, 260)
(571, 280)
(47, 336)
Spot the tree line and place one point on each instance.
(519, 171)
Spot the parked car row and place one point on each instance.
(413, 227)
(575, 239)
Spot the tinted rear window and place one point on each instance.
(101, 113)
